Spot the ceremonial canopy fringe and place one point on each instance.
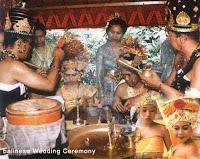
(96, 17)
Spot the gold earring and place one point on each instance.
(19, 47)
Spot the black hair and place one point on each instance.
(39, 26)
(11, 38)
(117, 21)
(192, 35)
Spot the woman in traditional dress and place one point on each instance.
(106, 57)
(150, 136)
(14, 73)
(180, 116)
(73, 90)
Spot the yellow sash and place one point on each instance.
(151, 144)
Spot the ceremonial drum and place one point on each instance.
(34, 125)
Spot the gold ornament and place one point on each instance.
(147, 98)
(113, 16)
(22, 26)
(8, 23)
(195, 9)
(77, 56)
(179, 16)
(130, 47)
(183, 18)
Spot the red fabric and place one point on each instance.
(96, 17)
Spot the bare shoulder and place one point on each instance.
(197, 63)
(122, 86)
(161, 128)
(16, 65)
(192, 147)
(192, 150)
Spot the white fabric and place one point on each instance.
(138, 122)
(60, 99)
(32, 137)
(120, 82)
(10, 87)
(132, 111)
(4, 157)
(41, 61)
(192, 93)
(184, 77)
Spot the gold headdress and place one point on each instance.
(182, 109)
(132, 53)
(183, 15)
(147, 98)
(19, 20)
(111, 17)
(76, 55)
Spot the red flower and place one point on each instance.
(179, 104)
(61, 42)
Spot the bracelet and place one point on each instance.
(55, 67)
(159, 88)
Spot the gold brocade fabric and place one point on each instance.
(151, 147)
(150, 144)
(85, 92)
(132, 92)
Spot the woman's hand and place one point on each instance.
(58, 54)
(152, 81)
(42, 71)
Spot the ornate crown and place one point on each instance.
(183, 15)
(182, 109)
(73, 64)
(77, 56)
(132, 53)
(147, 98)
(22, 26)
(19, 20)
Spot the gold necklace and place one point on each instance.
(132, 92)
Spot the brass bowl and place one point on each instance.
(95, 137)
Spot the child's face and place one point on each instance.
(72, 76)
(148, 112)
(182, 131)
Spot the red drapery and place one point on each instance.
(96, 17)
